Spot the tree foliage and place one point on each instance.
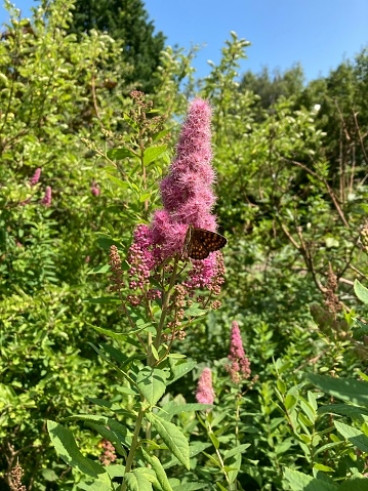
(127, 22)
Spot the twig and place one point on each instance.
(360, 137)
(329, 190)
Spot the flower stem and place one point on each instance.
(165, 304)
(133, 448)
(221, 462)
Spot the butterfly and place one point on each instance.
(200, 242)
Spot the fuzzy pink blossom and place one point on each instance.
(36, 177)
(95, 189)
(187, 193)
(46, 200)
(188, 199)
(239, 368)
(205, 393)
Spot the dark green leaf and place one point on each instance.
(348, 389)
(173, 438)
(151, 383)
(66, 448)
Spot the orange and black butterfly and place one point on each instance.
(199, 242)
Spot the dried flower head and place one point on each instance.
(109, 454)
(115, 266)
(332, 301)
(364, 236)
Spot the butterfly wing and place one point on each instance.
(202, 242)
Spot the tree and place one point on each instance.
(127, 21)
(269, 88)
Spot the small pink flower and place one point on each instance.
(95, 189)
(46, 200)
(205, 393)
(140, 257)
(239, 368)
(36, 177)
(109, 453)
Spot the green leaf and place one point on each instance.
(234, 451)
(214, 440)
(152, 153)
(88, 484)
(115, 470)
(105, 242)
(234, 467)
(100, 269)
(50, 475)
(156, 465)
(66, 448)
(189, 486)
(194, 449)
(361, 291)
(347, 389)
(355, 436)
(290, 401)
(161, 134)
(301, 482)
(331, 242)
(136, 481)
(155, 353)
(120, 153)
(151, 383)
(344, 410)
(118, 182)
(179, 369)
(111, 334)
(195, 311)
(172, 408)
(354, 485)
(361, 330)
(173, 438)
(117, 336)
(145, 196)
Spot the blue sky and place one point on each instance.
(317, 33)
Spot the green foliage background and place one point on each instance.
(291, 165)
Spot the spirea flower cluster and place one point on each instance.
(188, 199)
(205, 393)
(239, 367)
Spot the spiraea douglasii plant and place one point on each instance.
(171, 276)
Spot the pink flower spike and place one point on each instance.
(46, 200)
(239, 368)
(188, 199)
(205, 393)
(236, 343)
(36, 177)
(95, 189)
